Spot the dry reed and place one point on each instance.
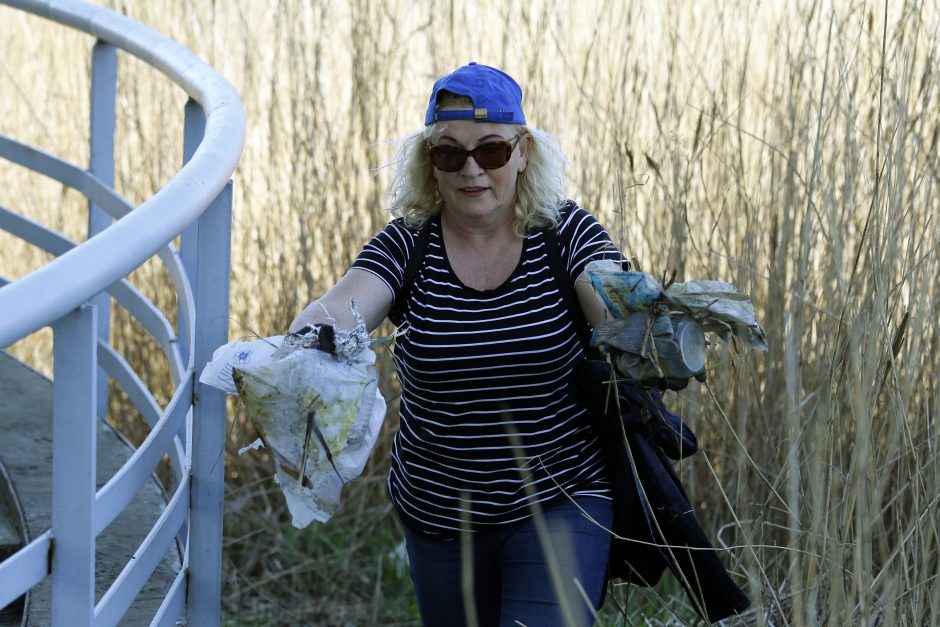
(787, 147)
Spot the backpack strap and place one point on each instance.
(563, 281)
(411, 271)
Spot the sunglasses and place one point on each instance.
(489, 155)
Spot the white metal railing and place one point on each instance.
(73, 294)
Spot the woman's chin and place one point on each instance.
(476, 209)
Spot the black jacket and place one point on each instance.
(657, 524)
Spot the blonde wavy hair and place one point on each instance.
(540, 187)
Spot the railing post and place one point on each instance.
(73, 468)
(101, 164)
(211, 292)
(194, 127)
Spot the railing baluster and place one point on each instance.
(213, 253)
(103, 89)
(194, 128)
(73, 468)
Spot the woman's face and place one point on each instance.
(473, 192)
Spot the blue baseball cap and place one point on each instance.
(496, 96)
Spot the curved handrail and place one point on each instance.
(29, 565)
(117, 207)
(112, 606)
(61, 293)
(121, 488)
(123, 292)
(58, 287)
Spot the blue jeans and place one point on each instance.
(511, 571)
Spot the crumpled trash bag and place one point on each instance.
(640, 306)
(623, 291)
(719, 308)
(239, 354)
(319, 414)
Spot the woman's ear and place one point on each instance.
(525, 144)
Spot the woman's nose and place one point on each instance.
(471, 167)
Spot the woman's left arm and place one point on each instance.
(591, 304)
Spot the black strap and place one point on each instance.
(564, 286)
(555, 263)
(411, 271)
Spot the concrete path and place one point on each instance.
(26, 453)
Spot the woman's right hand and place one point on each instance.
(312, 314)
(373, 300)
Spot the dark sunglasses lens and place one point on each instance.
(492, 155)
(489, 156)
(448, 159)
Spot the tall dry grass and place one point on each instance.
(787, 147)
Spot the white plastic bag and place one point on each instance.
(317, 413)
(218, 372)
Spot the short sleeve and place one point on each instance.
(582, 239)
(386, 255)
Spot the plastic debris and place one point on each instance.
(321, 337)
(349, 344)
(625, 291)
(720, 308)
(240, 354)
(313, 398)
(659, 332)
(254, 446)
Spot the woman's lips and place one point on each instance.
(473, 192)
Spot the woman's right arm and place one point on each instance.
(372, 296)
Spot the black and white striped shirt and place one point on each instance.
(487, 423)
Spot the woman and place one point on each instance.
(496, 476)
